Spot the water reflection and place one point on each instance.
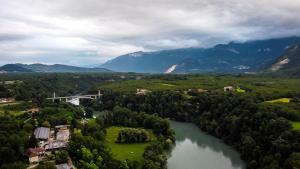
(195, 149)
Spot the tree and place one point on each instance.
(46, 124)
(33, 142)
(61, 157)
(293, 162)
(28, 127)
(46, 165)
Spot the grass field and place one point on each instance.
(14, 113)
(124, 151)
(281, 100)
(263, 85)
(296, 125)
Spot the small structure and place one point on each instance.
(55, 145)
(228, 88)
(32, 110)
(63, 134)
(68, 165)
(64, 166)
(42, 133)
(35, 155)
(63, 126)
(201, 90)
(142, 91)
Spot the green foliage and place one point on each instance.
(61, 157)
(296, 125)
(46, 124)
(13, 140)
(28, 127)
(132, 135)
(46, 165)
(293, 162)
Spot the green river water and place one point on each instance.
(195, 149)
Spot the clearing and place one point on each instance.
(132, 152)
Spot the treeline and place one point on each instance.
(38, 86)
(126, 117)
(133, 135)
(13, 142)
(264, 137)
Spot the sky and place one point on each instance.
(90, 32)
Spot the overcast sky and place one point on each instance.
(88, 32)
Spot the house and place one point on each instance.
(63, 134)
(35, 155)
(142, 91)
(42, 133)
(228, 88)
(55, 145)
(32, 110)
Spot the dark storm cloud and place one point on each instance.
(93, 31)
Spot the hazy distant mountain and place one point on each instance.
(288, 63)
(13, 68)
(224, 58)
(48, 68)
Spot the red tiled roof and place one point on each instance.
(31, 152)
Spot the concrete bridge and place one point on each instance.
(75, 99)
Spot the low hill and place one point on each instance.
(48, 68)
(13, 68)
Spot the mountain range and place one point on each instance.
(275, 56)
(47, 68)
(234, 57)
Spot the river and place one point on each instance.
(195, 149)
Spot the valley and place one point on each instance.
(241, 111)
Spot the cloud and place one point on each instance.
(93, 31)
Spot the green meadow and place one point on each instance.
(132, 152)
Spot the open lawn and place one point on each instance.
(296, 125)
(124, 151)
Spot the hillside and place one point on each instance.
(224, 58)
(288, 63)
(48, 68)
(13, 68)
